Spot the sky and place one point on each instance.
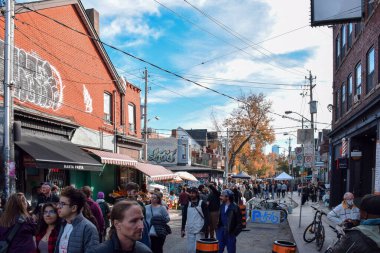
(231, 46)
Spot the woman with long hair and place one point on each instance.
(156, 211)
(15, 211)
(126, 229)
(48, 228)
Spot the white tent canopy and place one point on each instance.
(283, 176)
(186, 176)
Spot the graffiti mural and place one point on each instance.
(87, 99)
(163, 151)
(163, 156)
(35, 80)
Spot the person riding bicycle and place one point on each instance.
(364, 238)
(345, 214)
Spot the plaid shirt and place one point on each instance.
(52, 239)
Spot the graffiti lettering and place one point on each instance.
(163, 156)
(260, 216)
(36, 81)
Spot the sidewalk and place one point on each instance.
(306, 218)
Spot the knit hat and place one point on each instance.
(100, 195)
(369, 203)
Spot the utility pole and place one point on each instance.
(146, 116)
(8, 163)
(226, 160)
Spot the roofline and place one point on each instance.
(45, 4)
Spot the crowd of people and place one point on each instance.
(72, 222)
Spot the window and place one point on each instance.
(343, 99)
(370, 7)
(349, 91)
(337, 105)
(358, 28)
(349, 40)
(370, 69)
(132, 117)
(358, 79)
(122, 111)
(337, 48)
(107, 107)
(343, 34)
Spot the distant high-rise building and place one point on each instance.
(276, 149)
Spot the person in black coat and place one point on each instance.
(126, 230)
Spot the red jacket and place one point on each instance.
(51, 241)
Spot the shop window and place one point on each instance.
(349, 39)
(358, 79)
(343, 33)
(370, 70)
(132, 117)
(349, 91)
(337, 48)
(343, 99)
(107, 107)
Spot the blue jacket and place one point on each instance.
(83, 237)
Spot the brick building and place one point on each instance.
(77, 121)
(355, 123)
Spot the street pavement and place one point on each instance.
(257, 238)
(307, 217)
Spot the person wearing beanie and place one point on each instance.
(104, 207)
(230, 225)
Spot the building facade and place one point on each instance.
(77, 122)
(356, 108)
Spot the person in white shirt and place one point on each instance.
(346, 213)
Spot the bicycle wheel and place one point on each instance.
(283, 215)
(320, 237)
(309, 233)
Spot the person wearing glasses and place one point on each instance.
(15, 211)
(77, 234)
(48, 229)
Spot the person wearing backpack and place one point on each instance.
(105, 208)
(17, 227)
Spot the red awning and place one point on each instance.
(155, 172)
(113, 158)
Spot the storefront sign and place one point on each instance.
(342, 163)
(73, 166)
(200, 175)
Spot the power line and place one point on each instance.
(239, 37)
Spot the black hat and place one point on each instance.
(369, 203)
(193, 189)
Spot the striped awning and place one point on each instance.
(113, 158)
(155, 172)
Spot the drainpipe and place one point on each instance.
(114, 122)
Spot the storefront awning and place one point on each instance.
(113, 158)
(155, 172)
(60, 154)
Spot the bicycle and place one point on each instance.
(272, 205)
(339, 235)
(315, 230)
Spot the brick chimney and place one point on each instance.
(174, 133)
(93, 15)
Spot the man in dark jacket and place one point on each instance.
(95, 209)
(44, 197)
(229, 225)
(364, 238)
(127, 227)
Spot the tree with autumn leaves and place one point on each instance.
(250, 131)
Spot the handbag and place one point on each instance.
(4, 245)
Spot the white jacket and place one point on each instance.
(342, 212)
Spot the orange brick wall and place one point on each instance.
(78, 62)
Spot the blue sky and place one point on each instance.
(184, 37)
(259, 45)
